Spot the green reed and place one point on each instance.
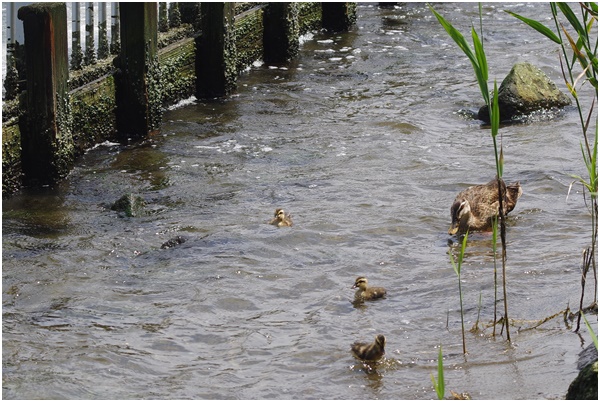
(585, 58)
(494, 251)
(591, 331)
(479, 62)
(439, 385)
(457, 267)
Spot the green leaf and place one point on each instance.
(441, 387)
(591, 331)
(457, 37)
(480, 54)
(573, 20)
(454, 264)
(482, 72)
(576, 47)
(501, 162)
(538, 26)
(463, 248)
(495, 112)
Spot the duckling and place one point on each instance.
(366, 293)
(281, 218)
(369, 351)
(474, 208)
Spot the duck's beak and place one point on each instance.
(453, 229)
(354, 286)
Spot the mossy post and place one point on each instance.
(137, 91)
(281, 34)
(338, 17)
(216, 72)
(46, 141)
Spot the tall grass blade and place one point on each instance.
(494, 250)
(439, 385)
(566, 10)
(454, 264)
(541, 28)
(591, 331)
(480, 54)
(481, 71)
(495, 112)
(576, 47)
(458, 38)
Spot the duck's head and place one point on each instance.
(279, 214)
(361, 283)
(460, 212)
(380, 341)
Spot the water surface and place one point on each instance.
(363, 140)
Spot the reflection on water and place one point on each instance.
(362, 140)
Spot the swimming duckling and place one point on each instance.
(369, 351)
(281, 218)
(474, 208)
(366, 293)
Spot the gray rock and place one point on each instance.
(524, 91)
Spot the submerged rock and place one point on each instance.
(525, 91)
(175, 241)
(129, 205)
(585, 386)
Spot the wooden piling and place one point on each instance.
(137, 80)
(190, 13)
(281, 34)
(338, 17)
(46, 142)
(216, 73)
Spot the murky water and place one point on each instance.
(361, 139)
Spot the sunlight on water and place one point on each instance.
(364, 139)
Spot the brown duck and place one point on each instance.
(281, 218)
(369, 351)
(365, 292)
(474, 208)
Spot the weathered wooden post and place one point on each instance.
(137, 81)
(216, 72)
(281, 34)
(46, 142)
(338, 17)
(190, 13)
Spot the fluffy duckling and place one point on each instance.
(474, 208)
(369, 351)
(364, 292)
(281, 218)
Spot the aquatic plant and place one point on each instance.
(494, 250)
(584, 54)
(480, 67)
(439, 384)
(591, 331)
(457, 267)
